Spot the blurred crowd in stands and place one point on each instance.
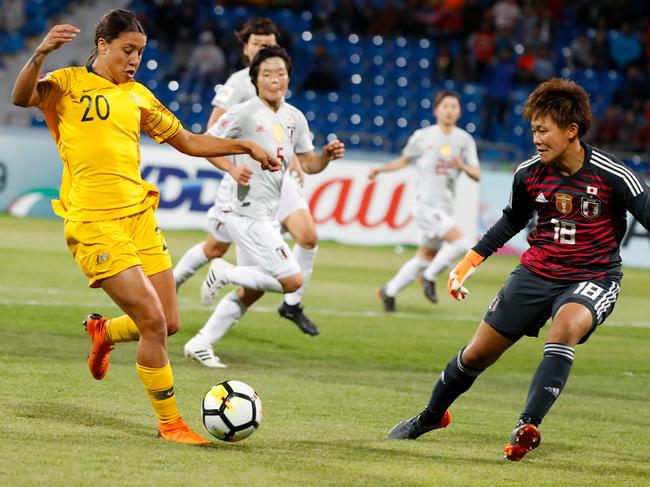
(499, 46)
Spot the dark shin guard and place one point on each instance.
(454, 380)
(548, 381)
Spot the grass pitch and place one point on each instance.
(328, 401)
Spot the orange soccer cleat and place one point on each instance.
(524, 438)
(95, 325)
(179, 432)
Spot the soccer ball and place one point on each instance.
(231, 410)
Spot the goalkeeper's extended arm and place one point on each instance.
(463, 270)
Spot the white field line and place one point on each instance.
(187, 305)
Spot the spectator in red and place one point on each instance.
(606, 134)
(525, 64)
(482, 44)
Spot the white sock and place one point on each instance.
(445, 257)
(406, 275)
(228, 311)
(191, 262)
(252, 278)
(305, 258)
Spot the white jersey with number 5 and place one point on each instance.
(436, 176)
(283, 133)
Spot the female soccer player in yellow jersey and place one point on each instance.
(95, 114)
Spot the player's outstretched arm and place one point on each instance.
(463, 270)
(312, 163)
(208, 146)
(393, 165)
(241, 174)
(25, 92)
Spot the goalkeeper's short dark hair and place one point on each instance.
(564, 101)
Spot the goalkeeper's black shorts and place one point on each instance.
(526, 301)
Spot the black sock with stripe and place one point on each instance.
(454, 380)
(548, 381)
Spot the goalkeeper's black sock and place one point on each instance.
(454, 380)
(548, 381)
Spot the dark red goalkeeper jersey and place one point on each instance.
(581, 219)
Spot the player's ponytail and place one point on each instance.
(111, 25)
(92, 56)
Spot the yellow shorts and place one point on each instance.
(105, 248)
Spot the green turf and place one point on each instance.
(328, 401)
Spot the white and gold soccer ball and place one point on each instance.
(231, 410)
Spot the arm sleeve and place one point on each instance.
(413, 147)
(470, 157)
(53, 86)
(228, 95)
(514, 219)
(637, 201)
(303, 135)
(228, 126)
(159, 122)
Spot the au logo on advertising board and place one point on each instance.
(332, 200)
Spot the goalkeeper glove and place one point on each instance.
(463, 270)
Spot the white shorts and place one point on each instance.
(259, 243)
(434, 223)
(291, 198)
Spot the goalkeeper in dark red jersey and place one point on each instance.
(571, 273)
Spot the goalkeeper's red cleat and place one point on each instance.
(411, 428)
(524, 438)
(98, 358)
(178, 431)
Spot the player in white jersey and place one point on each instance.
(294, 212)
(247, 217)
(442, 152)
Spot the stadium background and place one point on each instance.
(365, 71)
(328, 401)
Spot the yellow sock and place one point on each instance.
(122, 329)
(159, 384)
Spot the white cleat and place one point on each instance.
(214, 281)
(203, 354)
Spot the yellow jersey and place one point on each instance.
(96, 125)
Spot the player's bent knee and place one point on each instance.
(568, 332)
(292, 283)
(214, 250)
(153, 326)
(480, 359)
(572, 322)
